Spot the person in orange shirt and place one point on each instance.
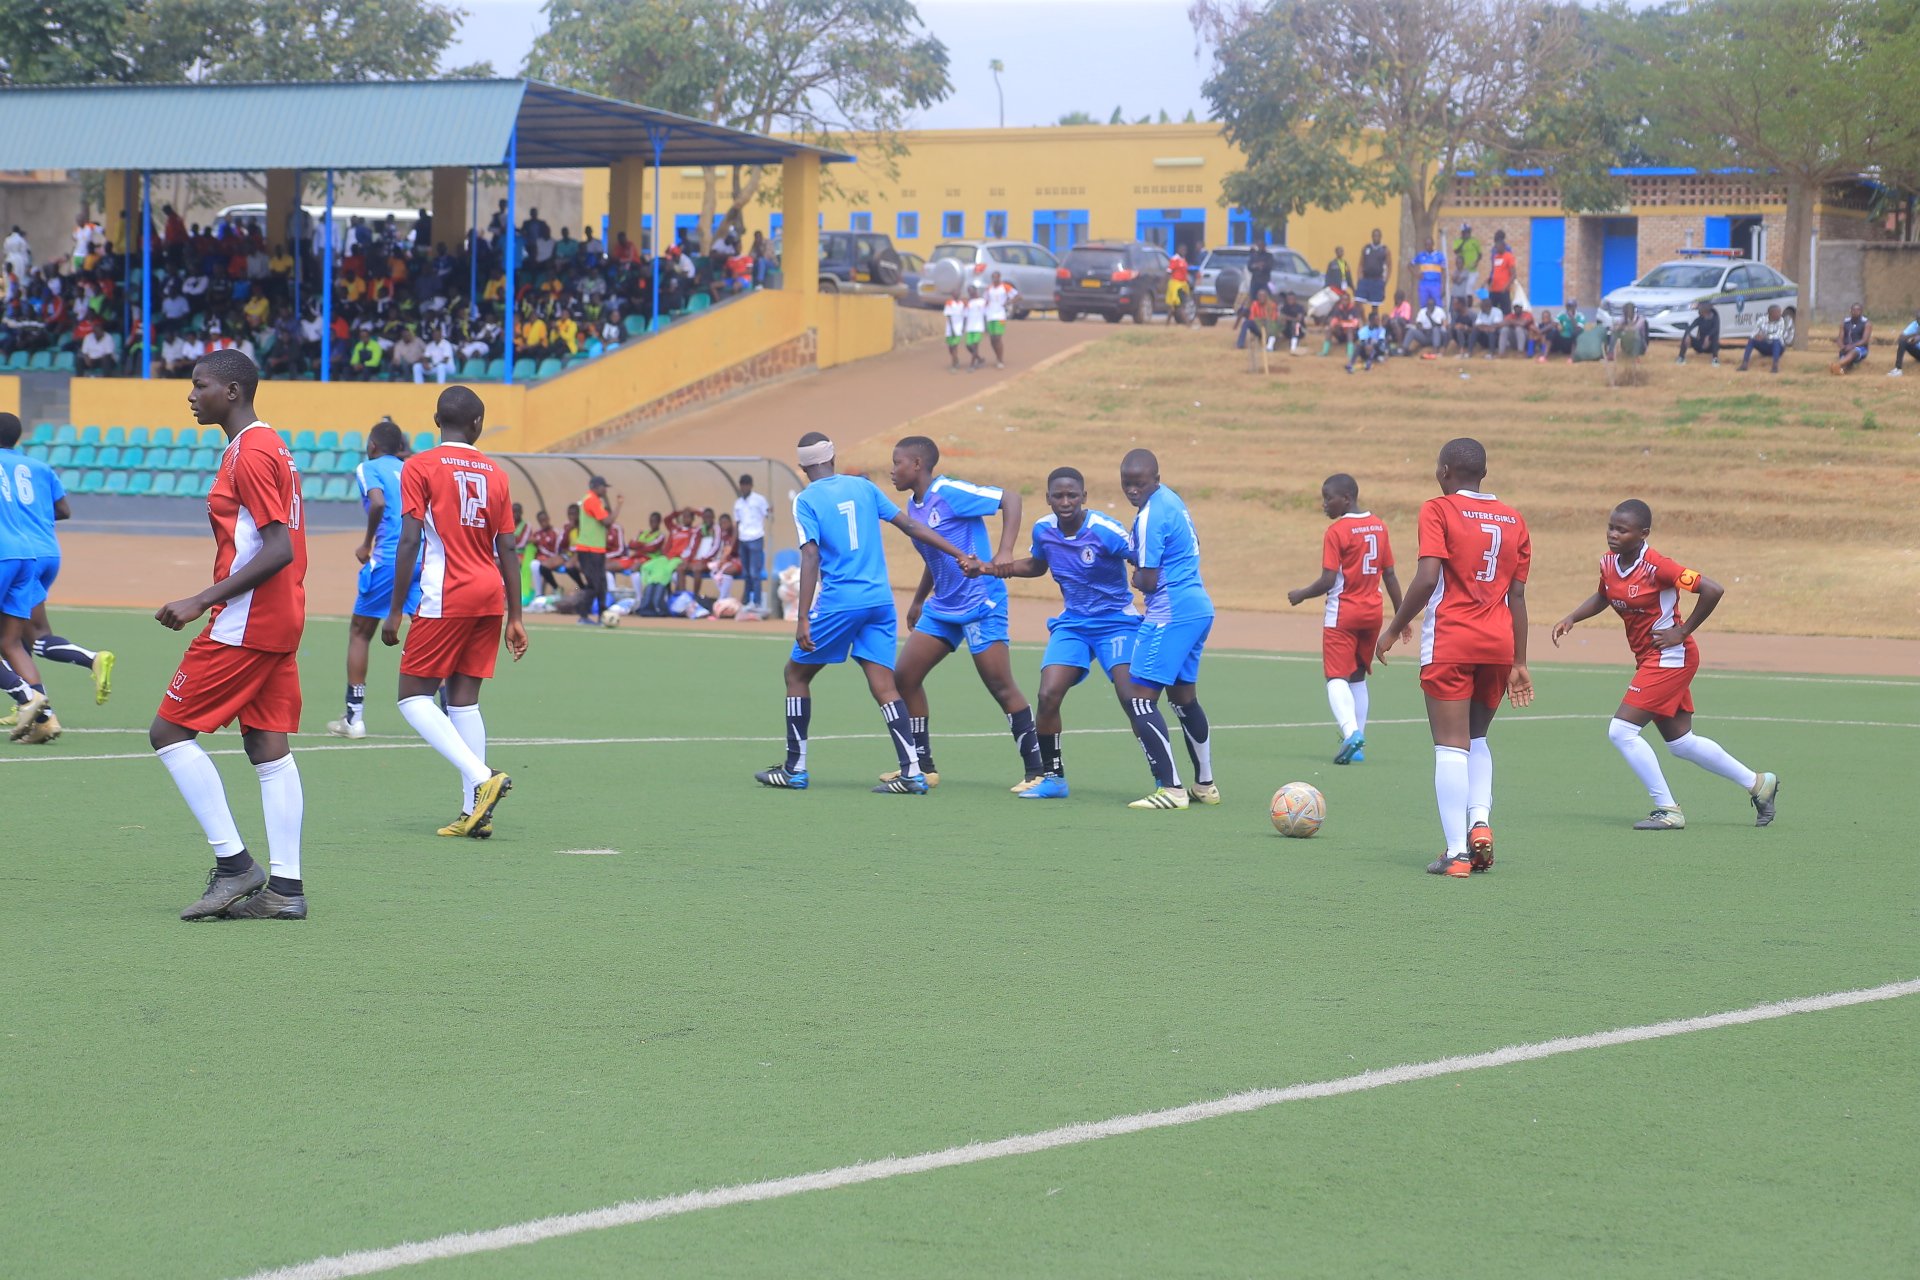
(590, 545)
(1502, 268)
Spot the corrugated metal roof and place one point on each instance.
(376, 125)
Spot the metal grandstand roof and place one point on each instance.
(183, 128)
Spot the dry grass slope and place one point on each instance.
(1800, 492)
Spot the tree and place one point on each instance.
(1333, 100)
(1076, 117)
(1797, 94)
(817, 69)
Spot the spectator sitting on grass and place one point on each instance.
(1486, 328)
(1343, 326)
(1515, 330)
(1256, 319)
(1907, 344)
(1431, 328)
(1629, 337)
(1856, 336)
(1770, 338)
(1369, 343)
(1293, 321)
(1462, 322)
(1564, 331)
(1398, 322)
(1702, 333)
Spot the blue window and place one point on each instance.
(774, 221)
(953, 224)
(996, 224)
(1059, 229)
(860, 222)
(906, 226)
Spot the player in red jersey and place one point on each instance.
(1471, 587)
(1644, 587)
(456, 498)
(242, 666)
(1355, 559)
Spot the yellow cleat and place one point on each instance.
(26, 713)
(102, 676)
(42, 730)
(1025, 785)
(1204, 793)
(933, 779)
(1162, 798)
(482, 832)
(485, 797)
(7, 720)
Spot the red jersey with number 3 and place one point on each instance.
(257, 485)
(1646, 595)
(1485, 548)
(1355, 551)
(460, 498)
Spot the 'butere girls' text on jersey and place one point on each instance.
(1355, 551)
(256, 486)
(841, 515)
(1485, 548)
(957, 511)
(1646, 595)
(461, 500)
(1164, 539)
(1089, 565)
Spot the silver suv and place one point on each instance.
(1021, 263)
(1218, 297)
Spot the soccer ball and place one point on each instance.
(726, 607)
(1298, 810)
(610, 618)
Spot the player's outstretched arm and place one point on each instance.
(1592, 607)
(1426, 576)
(1025, 567)
(276, 553)
(1010, 511)
(508, 557)
(1710, 594)
(407, 553)
(1318, 587)
(1519, 682)
(921, 534)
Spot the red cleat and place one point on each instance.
(1480, 847)
(1446, 866)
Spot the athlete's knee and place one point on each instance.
(164, 733)
(1622, 732)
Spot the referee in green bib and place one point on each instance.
(590, 545)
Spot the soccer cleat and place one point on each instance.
(782, 777)
(268, 905)
(1050, 787)
(223, 891)
(7, 720)
(45, 729)
(1480, 847)
(1662, 820)
(1203, 793)
(1457, 867)
(932, 776)
(916, 785)
(1351, 747)
(26, 713)
(1026, 784)
(347, 728)
(1359, 757)
(102, 676)
(485, 797)
(1162, 798)
(1763, 798)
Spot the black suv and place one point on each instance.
(1113, 278)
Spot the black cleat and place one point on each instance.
(223, 891)
(268, 905)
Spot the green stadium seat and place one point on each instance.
(115, 435)
(549, 368)
(90, 435)
(117, 482)
(17, 362)
(474, 370)
(199, 484)
(524, 369)
(60, 455)
(163, 484)
(306, 441)
(140, 484)
(64, 362)
(337, 489)
(310, 488)
(178, 459)
(66, 433)
(635, 325)
(208, 438)
(354, 443)
(84, 456)
(324, 463)
(286, 438)
(39, 451)
(108, 458)
(133, 458)
(139, 435)
(162, 438)
(497, 369)
(303, 457)
(204, 459)
(90, 482)
(328, 440)
(699, 302)
(423, 441)
(43, 433)
(659, 323)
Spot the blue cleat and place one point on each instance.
(1359, 757)
(783, 778)
(1351, 747)
(1050, 787)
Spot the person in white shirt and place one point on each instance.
(82, 241)
(19, 255)
(956, 316)
(1771, 338)
(172, 352)
(1430, 328)
(1486, 328)
(98, 353)
(194, 286)
(438, 360)
(976, 327)
(1000, 296)
(752, 514)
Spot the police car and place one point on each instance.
(1741, 291)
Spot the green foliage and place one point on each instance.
(1076, 117)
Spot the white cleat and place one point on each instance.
(347, 728)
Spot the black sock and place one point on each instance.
(799, 716)
(284, 886)
(233, 866)
(1021, 723)
(1050, 754)
(356, 702)
(922, 742)
(895, 714)
(61, 649)
(1193, 725)
(1151, 728)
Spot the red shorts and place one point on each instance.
(220, 683)
(1344, 651)
(1482, 682)
(1664, 691)
(436, 648)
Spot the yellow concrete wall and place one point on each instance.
(10, 397)
(288, 406)
(852, 327)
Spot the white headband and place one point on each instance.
(813, 455)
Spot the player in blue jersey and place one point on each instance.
(949, 607)
(20, 594)
(379, 481)
(1087, 554)
(846, 607)
(1173, 635)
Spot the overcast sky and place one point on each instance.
(1060, 55)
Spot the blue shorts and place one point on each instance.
(1167, 653)
(376, 591)
(981, 630)
(20, 589)
(1374, 290)
(868, 634)
(47, 568)
(1077, 641)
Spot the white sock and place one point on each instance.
(722, 585)
(284, 803)
(1345, 714)
(1450, 791)
(1479, 782)
(473, 731)
(1712, 757)
(1640, 758)
(199, 782)
(1362, 696)
(431, 723)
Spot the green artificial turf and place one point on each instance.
(755, 984)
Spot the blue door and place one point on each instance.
(1240, 228)
(1058, 230)
(1619, 253)
(1547, 262)
(1171, 228)
(1719, 233)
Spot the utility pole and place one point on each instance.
(997, 66)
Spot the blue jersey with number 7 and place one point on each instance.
(842, 515)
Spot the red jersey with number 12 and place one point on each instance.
(1485, 549)
(256, 486)
(1646, 595)
(460, 498)
(1355, 551)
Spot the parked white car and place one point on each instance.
(1021, 263)
(1740, 291)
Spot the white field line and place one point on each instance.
(372, 1261)
(399, 742)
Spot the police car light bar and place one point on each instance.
(1713, 253)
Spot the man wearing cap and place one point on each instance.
(1467, 249)
(590, 545)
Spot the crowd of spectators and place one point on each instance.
(404, 306)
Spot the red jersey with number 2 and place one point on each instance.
(1355, 551)
(257, 485)
(460, 498)
(1484, 548)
